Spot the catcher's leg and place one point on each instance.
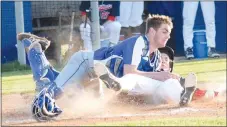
(41, 68)
(79, 67)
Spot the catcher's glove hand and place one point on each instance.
(44, 106)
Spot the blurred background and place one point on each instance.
(52, 19)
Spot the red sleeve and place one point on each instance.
(83, 13)
(111, 18)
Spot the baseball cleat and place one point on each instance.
(189, 53)
(105, 75)
(110, 82)
(190, 87)
(213, 53)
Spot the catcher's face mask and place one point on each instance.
(44, 107)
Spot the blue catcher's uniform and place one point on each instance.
(133, 51)
(42, 71)
(106, 9)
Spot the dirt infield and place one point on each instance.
(89, 111)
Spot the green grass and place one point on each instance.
(209, 70)
(14, 66)
(206, 70)
(210, 121)
(17, 82)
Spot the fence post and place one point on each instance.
(19, 15)
(95, 26)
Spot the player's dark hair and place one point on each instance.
(155, 21)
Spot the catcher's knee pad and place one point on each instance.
(38, 61)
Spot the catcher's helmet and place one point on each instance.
(44, 106)
(170, 52)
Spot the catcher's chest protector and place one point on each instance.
(147, 63)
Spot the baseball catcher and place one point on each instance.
(42, 70)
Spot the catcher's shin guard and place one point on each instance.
(49, 77)
(38, 61)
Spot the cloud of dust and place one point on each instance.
(217, 84)
(85, 103)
